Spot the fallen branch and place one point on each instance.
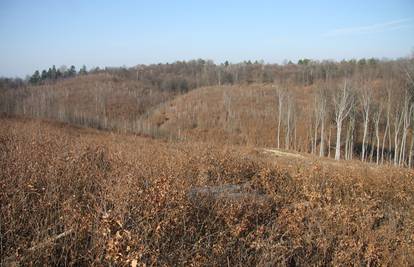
(50, 240)
(13, 261)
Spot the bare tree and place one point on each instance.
(281, 95)
(406, 118)
(377, 119)
(366, 98)
(349, 142)
(387, 126)
(320, 117)
(343, 102)
(288, 120)
(323, 118)
(294, 128)
(410, 156)
(317, 121)
(409, 72)
(329, 141)
(398, 118)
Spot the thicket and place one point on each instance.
(72, 196)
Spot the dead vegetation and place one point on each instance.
(74, 196)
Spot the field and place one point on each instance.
(79, 196)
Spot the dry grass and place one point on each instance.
(124, 199)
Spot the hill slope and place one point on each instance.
(95, 100)
(234, 114)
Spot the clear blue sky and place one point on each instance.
(37, 34)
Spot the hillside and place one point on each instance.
(78, 196)
(102, 100)
(231, 114)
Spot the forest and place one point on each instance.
(353, 109)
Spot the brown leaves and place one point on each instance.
(128, 200)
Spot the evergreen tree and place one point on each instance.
(35, 77)
(303, 61)
(49, 73)
(72, 71)
(53, 73)
(44, 75)
(83, 70)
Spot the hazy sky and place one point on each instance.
(37, 34)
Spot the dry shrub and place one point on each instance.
(127, 200)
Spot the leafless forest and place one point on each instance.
(203, 164)
(347, 110)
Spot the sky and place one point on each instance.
(39, 34)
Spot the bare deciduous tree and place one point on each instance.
(343, 102)
(349, 142)
(323, 109)
(320, 105)
(281, 95)
(290, 110)
(387, 126)
(377, 119)
(316, 122)
(397, 122)
(406, 118)
(410, 156)
(366, 98)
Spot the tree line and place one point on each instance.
(183, 76)
(53, 74)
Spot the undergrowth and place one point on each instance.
(124, 201)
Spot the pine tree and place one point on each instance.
(35, 77)
(83, 70)
(49, 73)
(53, 73)
(44, 75)
(72, 71)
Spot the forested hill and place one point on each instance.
(350, 109)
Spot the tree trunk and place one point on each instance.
(338, 140)
(278, 128)
(316, 137)
(410, 156)
(347, 140)
(396, 143)
(322, 144)
(371, 152)
(329, 142)
(364, 136)
(402, 148)
(288, 132)
(280, 98)
(378, 140)
(387, 126)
